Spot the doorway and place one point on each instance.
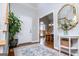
(46, 31)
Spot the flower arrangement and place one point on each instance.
(66, 24)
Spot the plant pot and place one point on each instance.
(13, 43)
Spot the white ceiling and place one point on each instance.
(32, 5)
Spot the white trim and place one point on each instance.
(38, 30)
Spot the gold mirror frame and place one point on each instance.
(71, 23)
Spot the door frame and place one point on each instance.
(42, 17)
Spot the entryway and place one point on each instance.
(46, 31)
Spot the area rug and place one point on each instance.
(36, 51)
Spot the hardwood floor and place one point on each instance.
(49, 41)
(50, 45)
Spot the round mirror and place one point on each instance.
(67, 17)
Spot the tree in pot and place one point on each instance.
(14, 28)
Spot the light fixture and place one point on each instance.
(50, 24)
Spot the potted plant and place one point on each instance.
(14, 28)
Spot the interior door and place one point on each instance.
(26, 32)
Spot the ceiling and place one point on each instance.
(32, 5)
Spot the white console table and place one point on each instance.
(73, 48)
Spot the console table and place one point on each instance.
(71, 46)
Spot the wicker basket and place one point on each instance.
(65, 42)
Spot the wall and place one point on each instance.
(46, 8)
(24, 11)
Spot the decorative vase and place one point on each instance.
(65, 32)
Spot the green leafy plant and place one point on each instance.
(14, 25)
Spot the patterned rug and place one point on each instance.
(36, 51)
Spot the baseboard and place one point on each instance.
(25, 44)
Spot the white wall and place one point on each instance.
(25, 11)
(47, 8)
